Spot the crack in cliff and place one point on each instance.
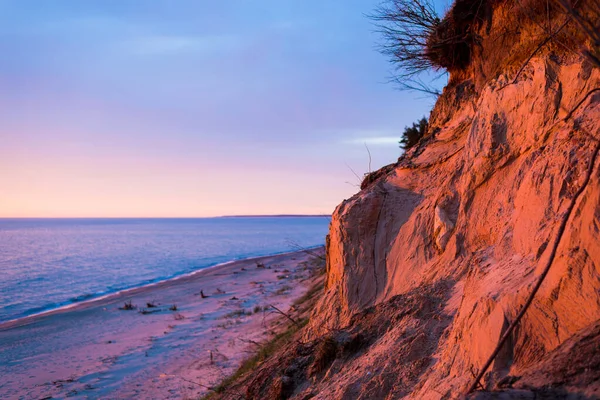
(375, 263)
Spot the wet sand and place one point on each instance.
(97, 349)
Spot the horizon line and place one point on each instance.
(205, 217)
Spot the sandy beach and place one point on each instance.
(180, 336)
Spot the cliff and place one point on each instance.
(468, 221)
(429, 264)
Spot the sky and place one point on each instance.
(192, 108)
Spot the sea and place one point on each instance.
(51, 263)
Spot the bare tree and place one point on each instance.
(407, 28)
(415, 84)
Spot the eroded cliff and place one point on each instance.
(474, 213)
(475, 210)
(430, 262)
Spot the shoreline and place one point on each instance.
(70, 305)
(194, 328)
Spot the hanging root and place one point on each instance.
(561, 230)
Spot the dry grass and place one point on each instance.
(250, 364)
(303, 305)
(266, 350)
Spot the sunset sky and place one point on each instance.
(190, 108)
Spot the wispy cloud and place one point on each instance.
(372, 138)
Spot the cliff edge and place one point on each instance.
(429, 264)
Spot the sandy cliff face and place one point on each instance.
(471, 216)
(431, 262)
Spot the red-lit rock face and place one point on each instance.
(477, 211)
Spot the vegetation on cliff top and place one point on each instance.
(412, 134)
(469, 37)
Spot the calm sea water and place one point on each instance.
(47, 263)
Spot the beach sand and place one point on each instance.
(97, 350)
